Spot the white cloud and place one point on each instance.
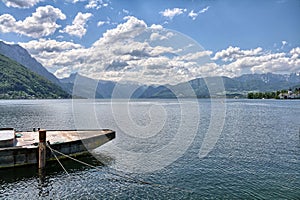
(94, 4)
(134, 51)
(204, 10)
(295, 53)
(193, 15)
(171, 13)
(62, 72)
(11, 43)
(284, 43)
(130, 29)
(101, 23)
(49, 52)
(41, 23)
(75, 1)
(78, 27)
(232, 53)
(156, 26)
(194, 55)
(48, 45)
(125, 52)
(258, 61)
(125, 11)
(157, 36)
(21, 3)
(277, 65)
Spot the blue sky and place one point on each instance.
(237, 36)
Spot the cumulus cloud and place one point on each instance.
(49, 52)
(78, 27)
(94, 4)
(126, 52)
(129, 30)
(62, 72)
(48, 45)
(295, 53)
(171, 13)
(156, 26)
(277, 65)
(41, 23)
(157, 36)
(194, 55)
(134, 51)
(258, 61)
(21, 3)
(232, 53)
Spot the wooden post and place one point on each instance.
(42, 149)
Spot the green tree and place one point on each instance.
(250, 95)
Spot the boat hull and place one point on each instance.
(26, 155)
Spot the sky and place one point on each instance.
(157, 41)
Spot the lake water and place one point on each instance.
(165, 149)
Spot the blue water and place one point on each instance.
(256, 155)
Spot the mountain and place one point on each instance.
(81, 86)
(268, 82)
(202, 87)
(90, 88)
(21, 55)
(16, 81)
(156, 92)
(238, 86)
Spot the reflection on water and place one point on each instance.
(27, 114)
(256, 157)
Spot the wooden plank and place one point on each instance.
(28, 138)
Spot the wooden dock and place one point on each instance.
(21, 148)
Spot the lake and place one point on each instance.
(165, 149)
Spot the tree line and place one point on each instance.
(270, 95)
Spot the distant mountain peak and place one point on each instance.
(21, 55)
(18, 82)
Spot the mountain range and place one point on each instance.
(21, 55)
(18, 82)
(202, 87)
(80, 86)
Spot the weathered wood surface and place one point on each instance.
(71, 142)
(60, 136)
(7, 137)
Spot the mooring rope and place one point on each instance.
(116, 174)
(57, 158)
